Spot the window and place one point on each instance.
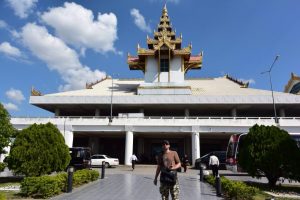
(295, 89)
(164, 65)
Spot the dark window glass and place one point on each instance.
(164, 65)
(101, 157)
(295, 89)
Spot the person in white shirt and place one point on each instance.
(133, 161)
(214, 164)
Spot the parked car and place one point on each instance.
(80, 157)
(97, 160)
(204, 160)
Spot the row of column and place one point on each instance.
(129, 147)
(68, 135)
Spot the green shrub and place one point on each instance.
(84, 176)
(234, 189)
(41, 187)
(47, 186)
(2, 196)
(38, 150)
(2, 167)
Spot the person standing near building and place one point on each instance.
(185, 162)
(133, 161)
(167, 164)
(214, 164)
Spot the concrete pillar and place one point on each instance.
(68, 135)
(281, 112)
(57, 112)
(128, 147)
(140, 146)
(195, 146)
(94, 144)
(233, 112)
(186, 112)
(97, 112)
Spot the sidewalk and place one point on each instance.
(122, 183)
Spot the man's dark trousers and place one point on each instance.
(215, 169)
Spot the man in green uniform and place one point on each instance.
(168, 163)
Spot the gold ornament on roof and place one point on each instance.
(165, 38)
(35, 92)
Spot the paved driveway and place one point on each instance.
(123, 184)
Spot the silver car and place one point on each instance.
(97, 159)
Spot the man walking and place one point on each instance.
(133, 161)
(167, 164)
(214, 164)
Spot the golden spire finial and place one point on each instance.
(165, 11)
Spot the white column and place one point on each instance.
(97, 112)
(57, 112)
(282, 112)
(186, 112)
(233, 112)
(69, 138)
(195, 147)
(128, 147)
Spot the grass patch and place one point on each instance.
(283, 188)
(10, 184)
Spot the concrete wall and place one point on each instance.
(151, 74)
(176, 75)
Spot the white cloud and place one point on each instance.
(10, 106)
(9, 50)
(76, 26)
(3, 24)
(22, 8)
(139, 20)
(15, 95)
(59, 57)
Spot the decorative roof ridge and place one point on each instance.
(90, 85)
(241, 83)
(131, 79)
(199, 78)
(294, 77)
(35, 92)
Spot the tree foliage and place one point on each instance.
(6, 129)
(38, 150)
(271, 151)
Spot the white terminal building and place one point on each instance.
(119, 117)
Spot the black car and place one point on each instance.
(80, 157)
(204, 160)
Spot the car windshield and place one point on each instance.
(108, 156)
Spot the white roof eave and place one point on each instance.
(167, 99)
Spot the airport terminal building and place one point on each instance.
(119, 117)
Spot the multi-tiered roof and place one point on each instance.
(164, 38)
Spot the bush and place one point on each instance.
(47, 186)
(84, 176)
(261, 152)
(2, 167)
(234, 189)
(38, 150)
(2, 196)
(40, 187)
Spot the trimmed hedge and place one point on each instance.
(2, 196)
(48, 186)
(235, 189)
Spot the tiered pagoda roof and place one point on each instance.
(164, 38)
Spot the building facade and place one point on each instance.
(120, 117)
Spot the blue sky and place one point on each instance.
(56, 45)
